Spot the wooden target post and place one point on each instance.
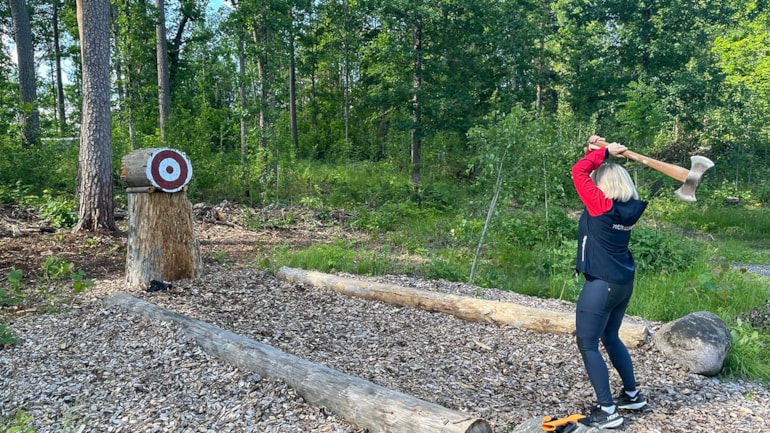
(161, 242)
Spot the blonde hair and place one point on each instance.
(615, 182)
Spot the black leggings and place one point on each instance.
(600, 311)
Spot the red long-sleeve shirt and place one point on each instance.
(593, 198)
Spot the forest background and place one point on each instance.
(443, 129)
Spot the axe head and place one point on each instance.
(699, 165)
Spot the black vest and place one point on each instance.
(603, 242)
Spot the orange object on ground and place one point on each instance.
(550, 424)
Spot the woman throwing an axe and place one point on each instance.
(612, 207)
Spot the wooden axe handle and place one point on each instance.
(670, 170)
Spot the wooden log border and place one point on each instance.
(467, 308)
(361, 402)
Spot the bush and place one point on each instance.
(748, 357)
(663, 251)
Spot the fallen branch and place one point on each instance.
(363, 403)
(467, 308)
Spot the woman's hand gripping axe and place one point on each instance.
(689, 178)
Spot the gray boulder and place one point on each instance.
(699, 341)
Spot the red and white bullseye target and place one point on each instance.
(169, 170)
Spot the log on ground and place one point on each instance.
(467, 308)
(361, 402)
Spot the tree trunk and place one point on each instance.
(161, 51)
(363, 403)
(260, 39)
(416, 151)
(27, 76)
(60, 103)
(243, 102)
(292, 86)
(161, 242)
(471, 309)
(95, 161)
(346, 42)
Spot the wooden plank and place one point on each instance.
(361, 402)
(467, 308)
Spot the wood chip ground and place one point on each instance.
(99, 369)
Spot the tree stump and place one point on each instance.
(161, 242)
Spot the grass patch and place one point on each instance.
(340, 256)
(750, 223)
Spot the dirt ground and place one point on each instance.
(26, 242)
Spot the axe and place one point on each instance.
(690, 178)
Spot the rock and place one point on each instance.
(699, 341)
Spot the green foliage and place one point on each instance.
(20, 423)
(10, 296)
(535, 153)
(702, 287)
(527, 228)
(341, 256)
(79, 281)
(55, 268)
(14, 193)
(640, 114)
(387, 217)
(59, 283)
(56, 211)
(749, 223)
(6, 338)
(658, 250)
(50, 166)
(749, 356)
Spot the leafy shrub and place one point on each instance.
(15, 284)
(445, 270)
(748, 357)
(388, 217)
(6, 336)
(18, 424)
(57, 211)
(530, 228)
(14, 194)
(659, 251)
(58, 276)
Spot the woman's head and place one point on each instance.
(615, 182)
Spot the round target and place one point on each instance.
(169, 170)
